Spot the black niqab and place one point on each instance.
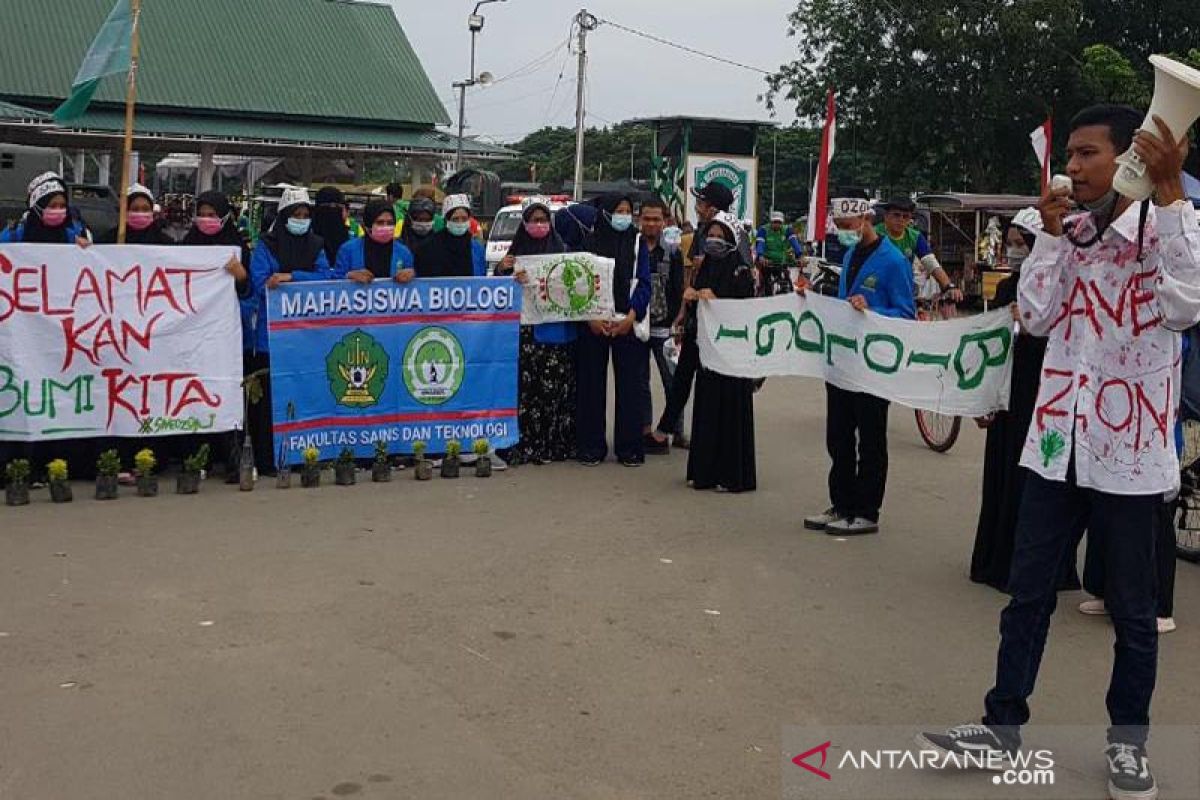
(327, 220)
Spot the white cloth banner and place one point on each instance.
(117, 341)
(566, 287)
(958, 367)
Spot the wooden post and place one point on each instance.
(130, 101)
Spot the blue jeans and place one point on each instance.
(666, 372)
(1125, 526)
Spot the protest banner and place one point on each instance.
(431, 360)
(117, 341)
(567, 287)
(956, 367)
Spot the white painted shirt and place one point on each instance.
(1109, 389)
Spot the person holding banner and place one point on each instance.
(453, 252)
(290, 251)
(722, 452)
(546, 391)
(613, 236)
(1111, 288)
(141, 225)
(49, 219)
(876, 277)
(378, 254)
(419, 225)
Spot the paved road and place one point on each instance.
(544, 634)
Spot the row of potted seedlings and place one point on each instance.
(345, 470)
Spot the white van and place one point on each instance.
(504, 228)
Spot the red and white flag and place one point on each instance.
(1042, 138)
(818, 204)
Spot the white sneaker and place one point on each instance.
(1166, 624)
(819, 522)
(1093, 608)
(852, 526)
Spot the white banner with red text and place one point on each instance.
(117, 341)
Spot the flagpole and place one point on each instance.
(130, 101)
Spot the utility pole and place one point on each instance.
(774, 166)
(586, 23)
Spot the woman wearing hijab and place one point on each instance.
(419, 224)
(214, 225)
(378, 254)
(722, 452)
(49, 220)
(1003, 478)
(141, 225)
(546, 399)
(289, 251)
(329, 220)
(453, 252)
(613, 236)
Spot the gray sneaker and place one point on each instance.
(819, 522)
(852, 526)
(1129, 775)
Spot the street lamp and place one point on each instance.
(475, 25)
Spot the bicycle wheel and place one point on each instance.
(940, 431)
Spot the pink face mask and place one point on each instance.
(209, 226)
(538, 230)
(140, 220)
(53, 217)
(382, 234)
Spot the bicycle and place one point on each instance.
(939, 431)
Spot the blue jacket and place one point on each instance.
(74, 229)
(639, 298)
(885, 280)
(351, 256)
(263, 265)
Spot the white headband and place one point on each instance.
(842, 207)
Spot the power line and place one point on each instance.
(683, 47)
(534, 65)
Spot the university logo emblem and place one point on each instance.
(357, 367)
(733, 176)
(433, 366)
(569, 287)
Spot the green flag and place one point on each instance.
(108, 55)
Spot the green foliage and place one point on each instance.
(607, 152)
(197, 461)
(1109, 77)
(109, 463)
(381, 452)
(1052, 446)
(57, 470)
(145, 462)
(453, 448)
(480, 447)
(17, 471)
(346, 457)
(419, 449)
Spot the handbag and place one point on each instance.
(641, 328)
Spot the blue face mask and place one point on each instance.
(298, 227)
(849, 238)
(458, 228)
(621, 222)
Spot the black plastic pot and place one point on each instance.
(284, 479)
(187, 483)
(483, 467)
(147, 486)
(310, 477)
(17, 494)
(106, 487)
(60, 492)
(381, 473)
(423, 470)
(344, 474)
(450, 467)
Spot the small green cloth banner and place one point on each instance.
(566, 287)
(109, 54)
(959, 367)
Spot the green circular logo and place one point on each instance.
(570, 286)
(357, 368)
(433, 366)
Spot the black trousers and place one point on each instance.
(1125, 527)
(1094, 567)
(856, 437)
(258, 423)
(671, 420)
(631, 363)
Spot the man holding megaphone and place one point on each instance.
(1110, 283)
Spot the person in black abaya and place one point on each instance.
(452, 252)
(1003, 478)
(722, 452)
(329, 220)
(141, 225)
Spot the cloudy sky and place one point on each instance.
(628, 76)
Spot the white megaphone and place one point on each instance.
(1177, 101)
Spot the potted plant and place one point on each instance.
(310, 473)
(343, 468)
(252, 394)
(17, 492)
(60, 490)
(193, 466)
(381, 470)
(483, 462)
(108, 466)
(144, 463)
(450, 464)
(422, 468)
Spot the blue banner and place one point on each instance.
(431, 360)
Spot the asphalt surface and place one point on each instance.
(553, 632)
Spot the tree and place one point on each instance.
(1110, 78)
